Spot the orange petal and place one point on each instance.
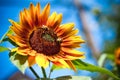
(31, 60)
(45, 14)
(37, 15)
(17, 40)
(37, 12)
(66, 56)
(25, 19)
(28, 19)
(54, 20)
(15, 24)
(32, 52)
(32, 12)
(71, 65)
(72, 52)
(65, 29)
(57, 22)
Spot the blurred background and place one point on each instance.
(98, 22)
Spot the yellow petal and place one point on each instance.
(45, 14)
(51, 19)
(72, 33)
(14, 49)
(57, 22)
(70, 45)
(61, 63)
(64, 63)
(42, 61)
(66, 56)
(73, 39)
(23, 51)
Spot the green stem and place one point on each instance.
(44, 73)
(50, 73)
(34, 73)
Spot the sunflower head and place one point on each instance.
(43, 39)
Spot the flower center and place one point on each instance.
(44, 40)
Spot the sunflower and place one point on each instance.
(117, 56)
(42, 38)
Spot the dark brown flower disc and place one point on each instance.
(44, 40)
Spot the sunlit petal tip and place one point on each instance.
(83, 57)
(38, 5)
(60, 16)
(11, 21)
(25, 10)
(14, 49)
(10, 36)
(31, 5)
(48, 4)
(47, 8)
(72, 24)
(82, 41)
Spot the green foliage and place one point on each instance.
(19, 61)
(54, 67)
(73, 78)
(92, 68)
(4, 36)
(2, 49)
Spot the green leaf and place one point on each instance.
(54, 67)
(19, 61)
(89, 67)
(2, 49)
(9, 31)
(73, 78)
